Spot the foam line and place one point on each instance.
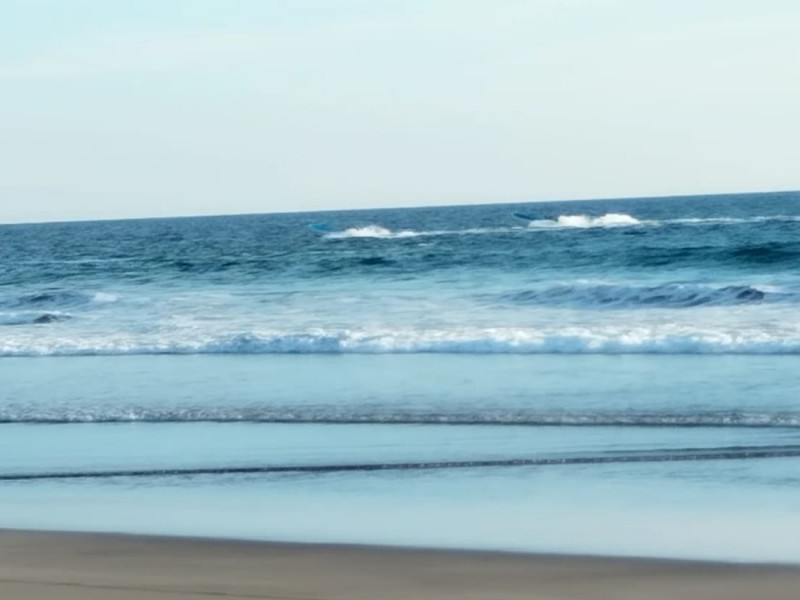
(267, 415)
(569, 340)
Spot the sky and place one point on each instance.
(142, 108)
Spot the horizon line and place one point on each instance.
(401, 207)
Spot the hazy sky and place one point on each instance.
(118, 108)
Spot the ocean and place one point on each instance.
(594, 377)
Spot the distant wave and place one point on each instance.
(770, 253)
(734, 220)
(740, 254)
(369, 231)
(567, 221)
(628, 456)
(576, 221)
(584, 221)
(570, 340)
(378, 231)
(492, 417)
(581, 221)
(672, 295)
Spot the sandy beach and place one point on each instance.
(67, 566)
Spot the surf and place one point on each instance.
(579, 221)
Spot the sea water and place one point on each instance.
(613, 377)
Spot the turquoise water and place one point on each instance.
(603, 377)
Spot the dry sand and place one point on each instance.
(73, 566)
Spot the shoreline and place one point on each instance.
(40, 565)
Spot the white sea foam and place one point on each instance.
(104, 298)
(733, 220)
(580, 221)
(567, 340)
(269, 413)
(586, 221)
(377, 231)
(370, 231)
(569, 221)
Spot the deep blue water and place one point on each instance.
(441, 376)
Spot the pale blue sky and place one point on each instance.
(123, 108)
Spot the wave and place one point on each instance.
(583, 221)
(739, 254)
(32, 318)
(770, 253)
(370, 231)
(56, 299)
(378, 231)
(631, 456)
(567, 221)
(572, 340)
(574, 221)
(67, 415)
(734, 220)
(671, 295)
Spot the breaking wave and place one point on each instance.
(585, 221)
(369, 231)
(581, 221)
(568, 221)
(377, 231)
(62, 414)
(572, 340)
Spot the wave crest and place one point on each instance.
(388, 416)
(672, 295)
(571, 340)
(370, 231)
(586, 221)
(56, 299)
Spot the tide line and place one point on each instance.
(687, 454)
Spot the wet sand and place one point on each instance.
(82, 566)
